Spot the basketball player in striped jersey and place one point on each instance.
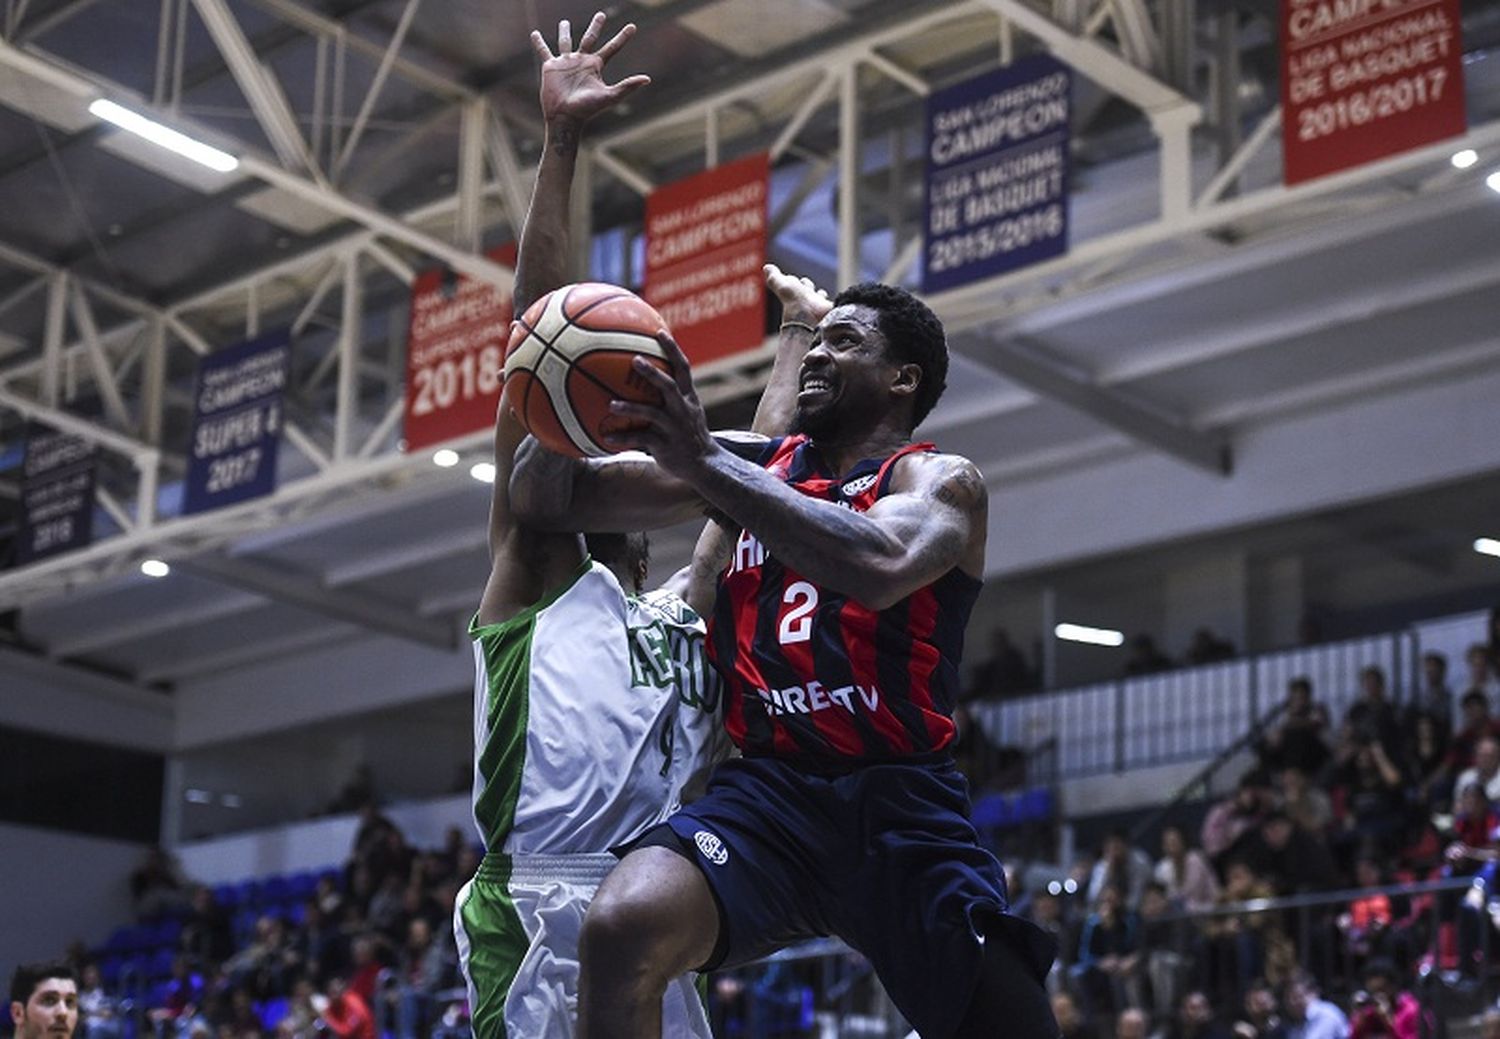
(593, 704)
(838, 628)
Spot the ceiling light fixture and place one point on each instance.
(155, 568)
(1487, 546)
(1093, 636)
(163, 136)
(1493, 182)
(1464, 159)
(445, 458)
(484, 472)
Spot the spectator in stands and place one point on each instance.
(1435, 699)
(988, 768)
(1070, 1023)
(1289, 859)
(1485, 772)
(358, 792)
(1384, 1010)
(1308, 1014)
(1108, 967)
(1145, 658)
(426, 966)
(319, 945)
(1232, 818)
(1300, 739)
(1241, 947)
(1004, 673)
(157, 886)
(267, 966)
(345, 1013)
(1184, 873)
(1046, 912)
(206, 937)
(388, 907)
(1195, 1020)
(1261, 1019)
(1366, 927)
(1373, 716)
(1126, 869)
(1165, 950)
(44, 1001)
(330, 899)
(1483, 671)
(1474, 708)
(1208, 648)
(1427, 756)
(183, 992)
(1489, 1025)
(1131, 1024)
(98, 1013)
(1374, 796)
(301, 1021)
(1306, 805)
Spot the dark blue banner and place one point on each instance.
(997, 173)
(237, 415)
(57, 494)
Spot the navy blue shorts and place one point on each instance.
(883, 857)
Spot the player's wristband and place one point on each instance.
(809, 329)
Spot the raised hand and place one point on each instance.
(801, 300)
(573, 87)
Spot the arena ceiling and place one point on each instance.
(381, 137)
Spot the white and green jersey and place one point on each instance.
(592, 710)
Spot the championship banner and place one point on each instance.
(237, 416)
(705, 246)
(1365, 79)
(996, 193)
(57, 494)
(455, 353)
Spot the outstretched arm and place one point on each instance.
(526, 562)
(934, 519)
(802, 307)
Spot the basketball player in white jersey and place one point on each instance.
(594, 704)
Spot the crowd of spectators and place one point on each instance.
(370, 953)
(1386, 795)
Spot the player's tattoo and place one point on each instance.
(563, 137)
(963, 489)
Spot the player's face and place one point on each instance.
(848, 372)
(50, 1013)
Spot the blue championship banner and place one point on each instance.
(237, 415)
(997, 173)
(57, 494)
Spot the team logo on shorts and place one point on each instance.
(713, 849)
(859, 485)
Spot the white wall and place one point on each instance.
(57, 887)
(317, 843)
(46, 697)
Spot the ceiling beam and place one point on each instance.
(1035, 368)
(305, 592)
(102, 636)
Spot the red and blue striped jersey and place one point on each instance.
(812, 675)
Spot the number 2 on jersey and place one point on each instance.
(796, 623)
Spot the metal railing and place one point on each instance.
(1190, 714)
(824, 988)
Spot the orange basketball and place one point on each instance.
(570, 354)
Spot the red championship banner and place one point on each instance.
(455, 350)
(1363, 79)
(705, 246)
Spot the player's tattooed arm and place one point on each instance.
(933, 521)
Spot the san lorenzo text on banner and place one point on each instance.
(996, 193)
(455, 353)
(237, 420)
(1363, 79)
(57, 494)
(705, 246)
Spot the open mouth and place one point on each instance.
(814, 386)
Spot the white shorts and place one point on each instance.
(517, 925)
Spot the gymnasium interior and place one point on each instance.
(1224, 333)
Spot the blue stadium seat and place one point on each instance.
(1035, 806)
(271, 1013)
(160, 964)
(109, 971)
(275, 889)
(167, 933)
(247, 893)
(227, 896)
(992, 812)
